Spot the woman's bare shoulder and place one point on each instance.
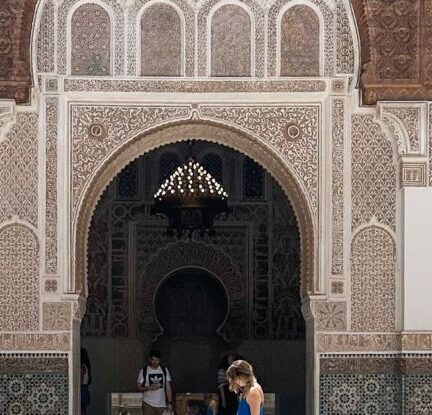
(255, 393)
(255, 390)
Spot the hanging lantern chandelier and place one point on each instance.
(190, 198)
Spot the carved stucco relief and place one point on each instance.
(117, 35)
(161, 41)
(293, 131)
(373, 178)
(299, 42)
(326, 30)
(430, 144)
(33, 341)
(336, 31)
(410, 119)
(254, 147)
(356, 342)
(176, 256)
(97, 131)
(229, 85)
(330, 316)
(231, 42)
(258, 41)
(373, 280)
(7, 119)
(19, 279)
(18, 168)
(388, 342)
(56, 316)
(51, 117)
(45, 45)
(188, 43)
(90, 44)
(338, 113)
(345, 56)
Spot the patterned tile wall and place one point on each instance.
(33, 385)
(417, 394)
(390, 385)
(355, 394)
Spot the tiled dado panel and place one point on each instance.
(33, 384)
(417, 386)
(390, 385)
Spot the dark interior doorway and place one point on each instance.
(147, 289)
(191, 304)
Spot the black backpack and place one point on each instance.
(164, 371)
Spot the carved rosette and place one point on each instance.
(56, 316)
(337, 287)
(330, 316)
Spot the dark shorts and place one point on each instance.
(85, 396)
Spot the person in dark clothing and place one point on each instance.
(228, 402)
(86, 380)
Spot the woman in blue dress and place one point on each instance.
(243, 382)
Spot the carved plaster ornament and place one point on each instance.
(7, 118)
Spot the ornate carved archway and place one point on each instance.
(193, 254)
(266, 156)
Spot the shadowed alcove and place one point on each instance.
(194, 298)
(191, 305)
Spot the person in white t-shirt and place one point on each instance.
(154, 380)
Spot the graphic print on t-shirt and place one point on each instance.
(155, 379)
(155, 397)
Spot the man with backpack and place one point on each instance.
(154, 381)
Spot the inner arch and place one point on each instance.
(203, 313)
